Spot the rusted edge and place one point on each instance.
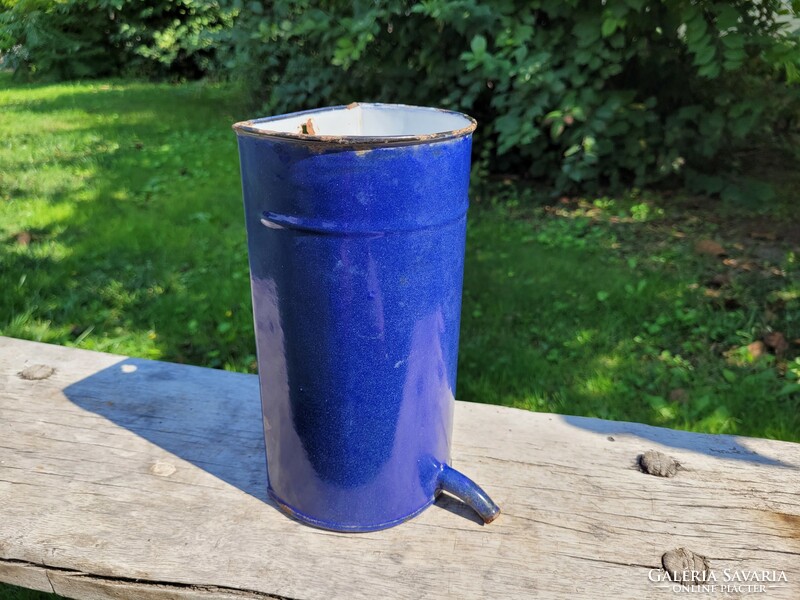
(490, 518)
(353, 142)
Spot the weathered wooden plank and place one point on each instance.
(128, 478)
(23, 575)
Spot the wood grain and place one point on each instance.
(127, 478)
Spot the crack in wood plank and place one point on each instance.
(198, 590)
(608, 562)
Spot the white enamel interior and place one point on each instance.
(369, 120)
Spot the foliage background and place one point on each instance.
(574, 93)
(69, 39)
(577, 94)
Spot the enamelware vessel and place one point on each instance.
(356, 221)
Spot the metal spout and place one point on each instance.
(469, 492)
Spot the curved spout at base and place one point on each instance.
(469, 492)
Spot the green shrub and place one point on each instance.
(65, 39)
(578, 93)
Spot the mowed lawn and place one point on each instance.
(121, 230)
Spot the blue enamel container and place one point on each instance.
(356, 220)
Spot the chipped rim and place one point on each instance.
(355, 141)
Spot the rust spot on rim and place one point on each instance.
(307, 128)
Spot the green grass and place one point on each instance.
(130, 193)
(121, 230)
(601, 309)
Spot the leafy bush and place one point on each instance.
(576, 93)
(579, 93)
(64, 39)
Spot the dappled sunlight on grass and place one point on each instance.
(122, 231)
(599, 384)
(605, 317)
(125, 222)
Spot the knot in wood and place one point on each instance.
(36, 372)
(685, 566)
(162, 469)
(658, 464)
